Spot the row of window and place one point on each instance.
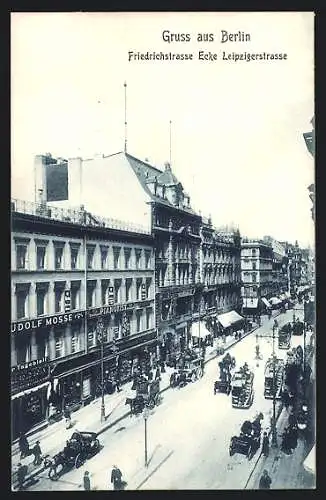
(74, 343)
(71, 256)
(120, 291)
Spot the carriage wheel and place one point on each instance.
(53, 475)
(79, 461)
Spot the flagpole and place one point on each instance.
(125, 86)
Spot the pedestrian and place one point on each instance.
(158, 373)
(265, 481)
(37, 454)
(87, 482)
(21, 474)
(116, 477)
(67, 416)
(286, 398)
(265, 447)
(286, 446)
(23, 446)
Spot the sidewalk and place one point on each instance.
(53, 437)
(285, 471)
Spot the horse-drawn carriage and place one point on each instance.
(146, 394)
(242, 388)
(80, 447)
(191, 371)
(224, 383)
(270, 372)
(297, 327)
(284, 336)
(249, 440)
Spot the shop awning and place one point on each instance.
(28, 391)
(275, 301)
(310, 462)
(266, 302)
(198, 329)
(228, 319)
(250, 303)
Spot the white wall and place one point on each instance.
(108, 187)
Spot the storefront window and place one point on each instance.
(74, 294)
(59, 348)
(74, 257)
(104, 255)
(21, 252)
(75, 343)
(58, 302)
(92, 339)
(138, 320)
(138, 253)
(40, 301)
(21, 298)
(40, 257)
(90, 256)
(58, 257)
(128, 289)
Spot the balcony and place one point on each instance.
(73, 216)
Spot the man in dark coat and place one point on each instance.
(23, 445)
(265, 481)
(37, 454)
(265, 447)
(116, 478)
(21, 474)
(87, 482)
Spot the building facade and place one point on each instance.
(65, 274)
(256, 273)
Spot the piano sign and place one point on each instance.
(111, 295)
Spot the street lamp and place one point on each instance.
(146, 415)
(274, 433)
(100, 337)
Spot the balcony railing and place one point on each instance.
(74, 216)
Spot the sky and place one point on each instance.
(236, 132)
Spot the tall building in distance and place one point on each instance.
(257, 273)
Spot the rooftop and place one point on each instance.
(74, 216)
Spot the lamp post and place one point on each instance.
(100, 331)
(274, 433)
(146, 415)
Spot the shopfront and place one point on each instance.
(230, 322)
(28, 409)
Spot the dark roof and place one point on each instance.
(168, 178)
(140, 168)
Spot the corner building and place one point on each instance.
(68, 269)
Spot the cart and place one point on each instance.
(80, 447)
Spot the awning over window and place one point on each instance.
(275, 301)
(28, 391)
(198, 329)
(228, 319)
(266, 302)
(250, 303)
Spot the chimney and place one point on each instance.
(167, 166)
